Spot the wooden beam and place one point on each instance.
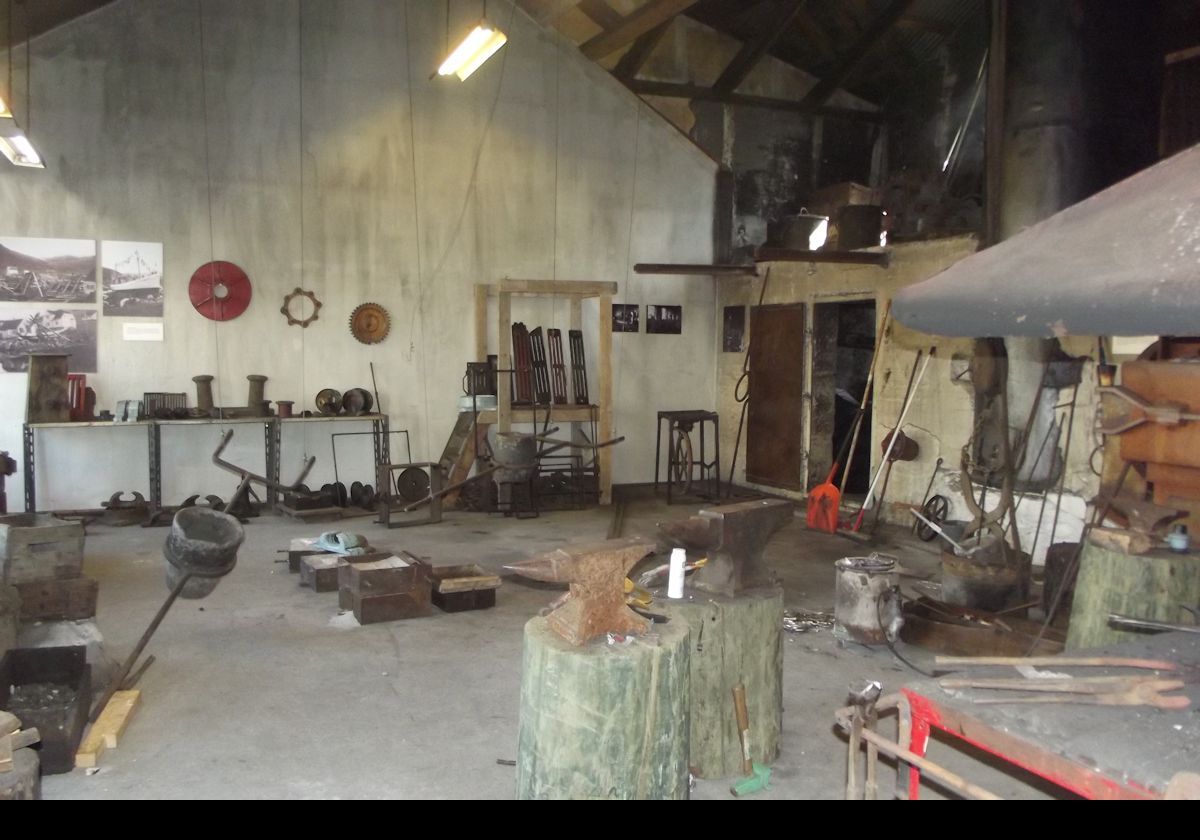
(845, 65)
(694, 269)
(636, 56)
(581, 288)
(993, 132)
(644, 87)
(753, 51)
(602, 14)
(633, 26)
(877, 258)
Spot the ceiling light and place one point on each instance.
(15, 146)
(479, 45)
(5, 111)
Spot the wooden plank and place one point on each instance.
(58, 600)
(504, 362)
(993, 143)
(605, 431)
(850, 60)
(549, 11)
(689, 269)
(602, 14)
(583, 288)
(558, 414)
(481, 330)
(774, 424)
(645, 87)
(106, 732)
(753, 52)
(876, 258)
(642, 49)
(633, 26)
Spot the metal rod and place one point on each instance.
(877, 258)
(1062, 484)
(115, 683)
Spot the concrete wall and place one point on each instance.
(336, 164)
(941, 419)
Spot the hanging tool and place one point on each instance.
(757, 777)
(899, 423)
(744, 399)
(916, 526)
(861, 414)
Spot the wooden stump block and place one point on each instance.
(1143, 586)
(734, 640)
(604, 721)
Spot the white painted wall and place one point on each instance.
(363, 180)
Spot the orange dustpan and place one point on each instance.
(823, 503)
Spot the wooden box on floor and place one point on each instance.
(385, 589)
(49, 689)
(460, 588)
(319, 572)
(38, 546)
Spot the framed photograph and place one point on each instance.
(733, 335)
(47, 270)
(68, 331)
(132, 278)
(664, 320)
(625, 317)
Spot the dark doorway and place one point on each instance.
(774, 425)
(843, 345)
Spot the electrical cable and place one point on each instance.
(887, 637)
(212, 239)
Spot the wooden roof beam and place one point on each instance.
(644, 87)
(636, 56)
(752, 52)
(867, 41)
(633, 26)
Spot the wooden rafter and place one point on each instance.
(644, 87)
(636, 56)
(550, 10)
(633, 26)
(865, 42)
(602, 14)
(753, 51)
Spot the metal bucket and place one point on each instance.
(867, 609)
(203, 543)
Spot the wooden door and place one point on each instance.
(774, 425)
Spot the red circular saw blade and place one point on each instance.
(205, 282)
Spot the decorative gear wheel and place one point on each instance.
(286, 309)
(370, 323)
(219, 290)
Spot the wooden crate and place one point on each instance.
(39, 546)
(58, 600)
(319, 572)
(459, 588)
(385, 589)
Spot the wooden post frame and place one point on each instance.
(576, 291)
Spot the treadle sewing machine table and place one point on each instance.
(1098, 752)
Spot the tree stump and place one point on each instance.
(734, 640)
(604, 721)
(1143, 586)
(23, 781)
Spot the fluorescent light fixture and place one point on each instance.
(479, 45)
(5, 111)
(818, 236)
(15, 146)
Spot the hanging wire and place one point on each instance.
(303, 238)
(28, 101)
(212, 245)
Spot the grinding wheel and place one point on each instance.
(412, 484)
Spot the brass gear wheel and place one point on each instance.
(370, 323)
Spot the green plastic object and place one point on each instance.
(760, 779)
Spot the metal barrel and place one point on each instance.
(864, 609)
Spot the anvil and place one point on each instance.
(596, 572)
(733, 537)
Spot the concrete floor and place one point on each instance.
(264, 690)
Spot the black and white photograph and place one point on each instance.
(733, 334)
(625, 317)
(68, 331)
(132, 278)
(47, 270)
(664, 320)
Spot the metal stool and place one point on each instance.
(683, 461)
